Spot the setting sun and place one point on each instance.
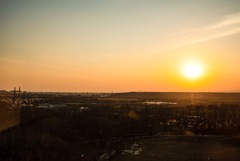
(192, 70)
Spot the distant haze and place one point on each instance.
(119, 45)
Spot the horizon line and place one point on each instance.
(32, 91)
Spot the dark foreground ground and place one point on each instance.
(119, 127)
(182, 148)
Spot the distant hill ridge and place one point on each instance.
(171, 96)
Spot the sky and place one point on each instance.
(119, 45)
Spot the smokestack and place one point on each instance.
(19, 92)
(14, 95)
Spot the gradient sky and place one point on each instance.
(119, 45)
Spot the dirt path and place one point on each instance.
(178, 148)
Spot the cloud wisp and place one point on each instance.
(228, 25)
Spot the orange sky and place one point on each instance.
(118, 46)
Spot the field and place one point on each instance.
(179, 148)
(183, 98)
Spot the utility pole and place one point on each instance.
(16, 100)
(19, 97)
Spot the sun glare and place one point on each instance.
(192, 70)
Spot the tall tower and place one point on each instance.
(14, 95)
(19, 92)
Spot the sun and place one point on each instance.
(192, 70)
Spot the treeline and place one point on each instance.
(215, 119)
